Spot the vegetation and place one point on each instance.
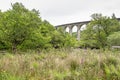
(21, 28)
(98, 30)
(114, 39)
(61, 64)
(44, 53)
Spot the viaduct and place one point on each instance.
(78, 24)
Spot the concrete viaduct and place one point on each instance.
(78, 24)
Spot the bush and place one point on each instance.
(114, 39)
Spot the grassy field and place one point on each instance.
(62, 64)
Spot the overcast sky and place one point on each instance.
(66, 11)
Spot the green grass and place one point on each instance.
(62, 64)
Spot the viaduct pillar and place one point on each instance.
(65, 29)
(70, 29)
(78, 32)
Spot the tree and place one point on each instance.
(18, 24)
(98, 30)
(3, 45)
(21, 28)
(113, 16)
(114, 39)
(61, 39)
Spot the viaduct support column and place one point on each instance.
(78, 32)
(64, 28)
(70, 29)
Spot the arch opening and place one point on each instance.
(83, 27)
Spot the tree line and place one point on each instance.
(101, 32)
(22, 29)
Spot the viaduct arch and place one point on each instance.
(78, 24)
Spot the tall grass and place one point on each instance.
(62, 64)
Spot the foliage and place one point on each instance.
(98, 30)
(61, 64)
(114, 39)
(21, 28)
(18, 24)
(40, 38)
(62, 39)
(24, 29)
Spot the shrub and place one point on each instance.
(114, 39)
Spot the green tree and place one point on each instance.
(21, 28)
(98, 30)
(2, 44)
(18, 24)
(114, 39)
(62, 39)
(113, 16)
